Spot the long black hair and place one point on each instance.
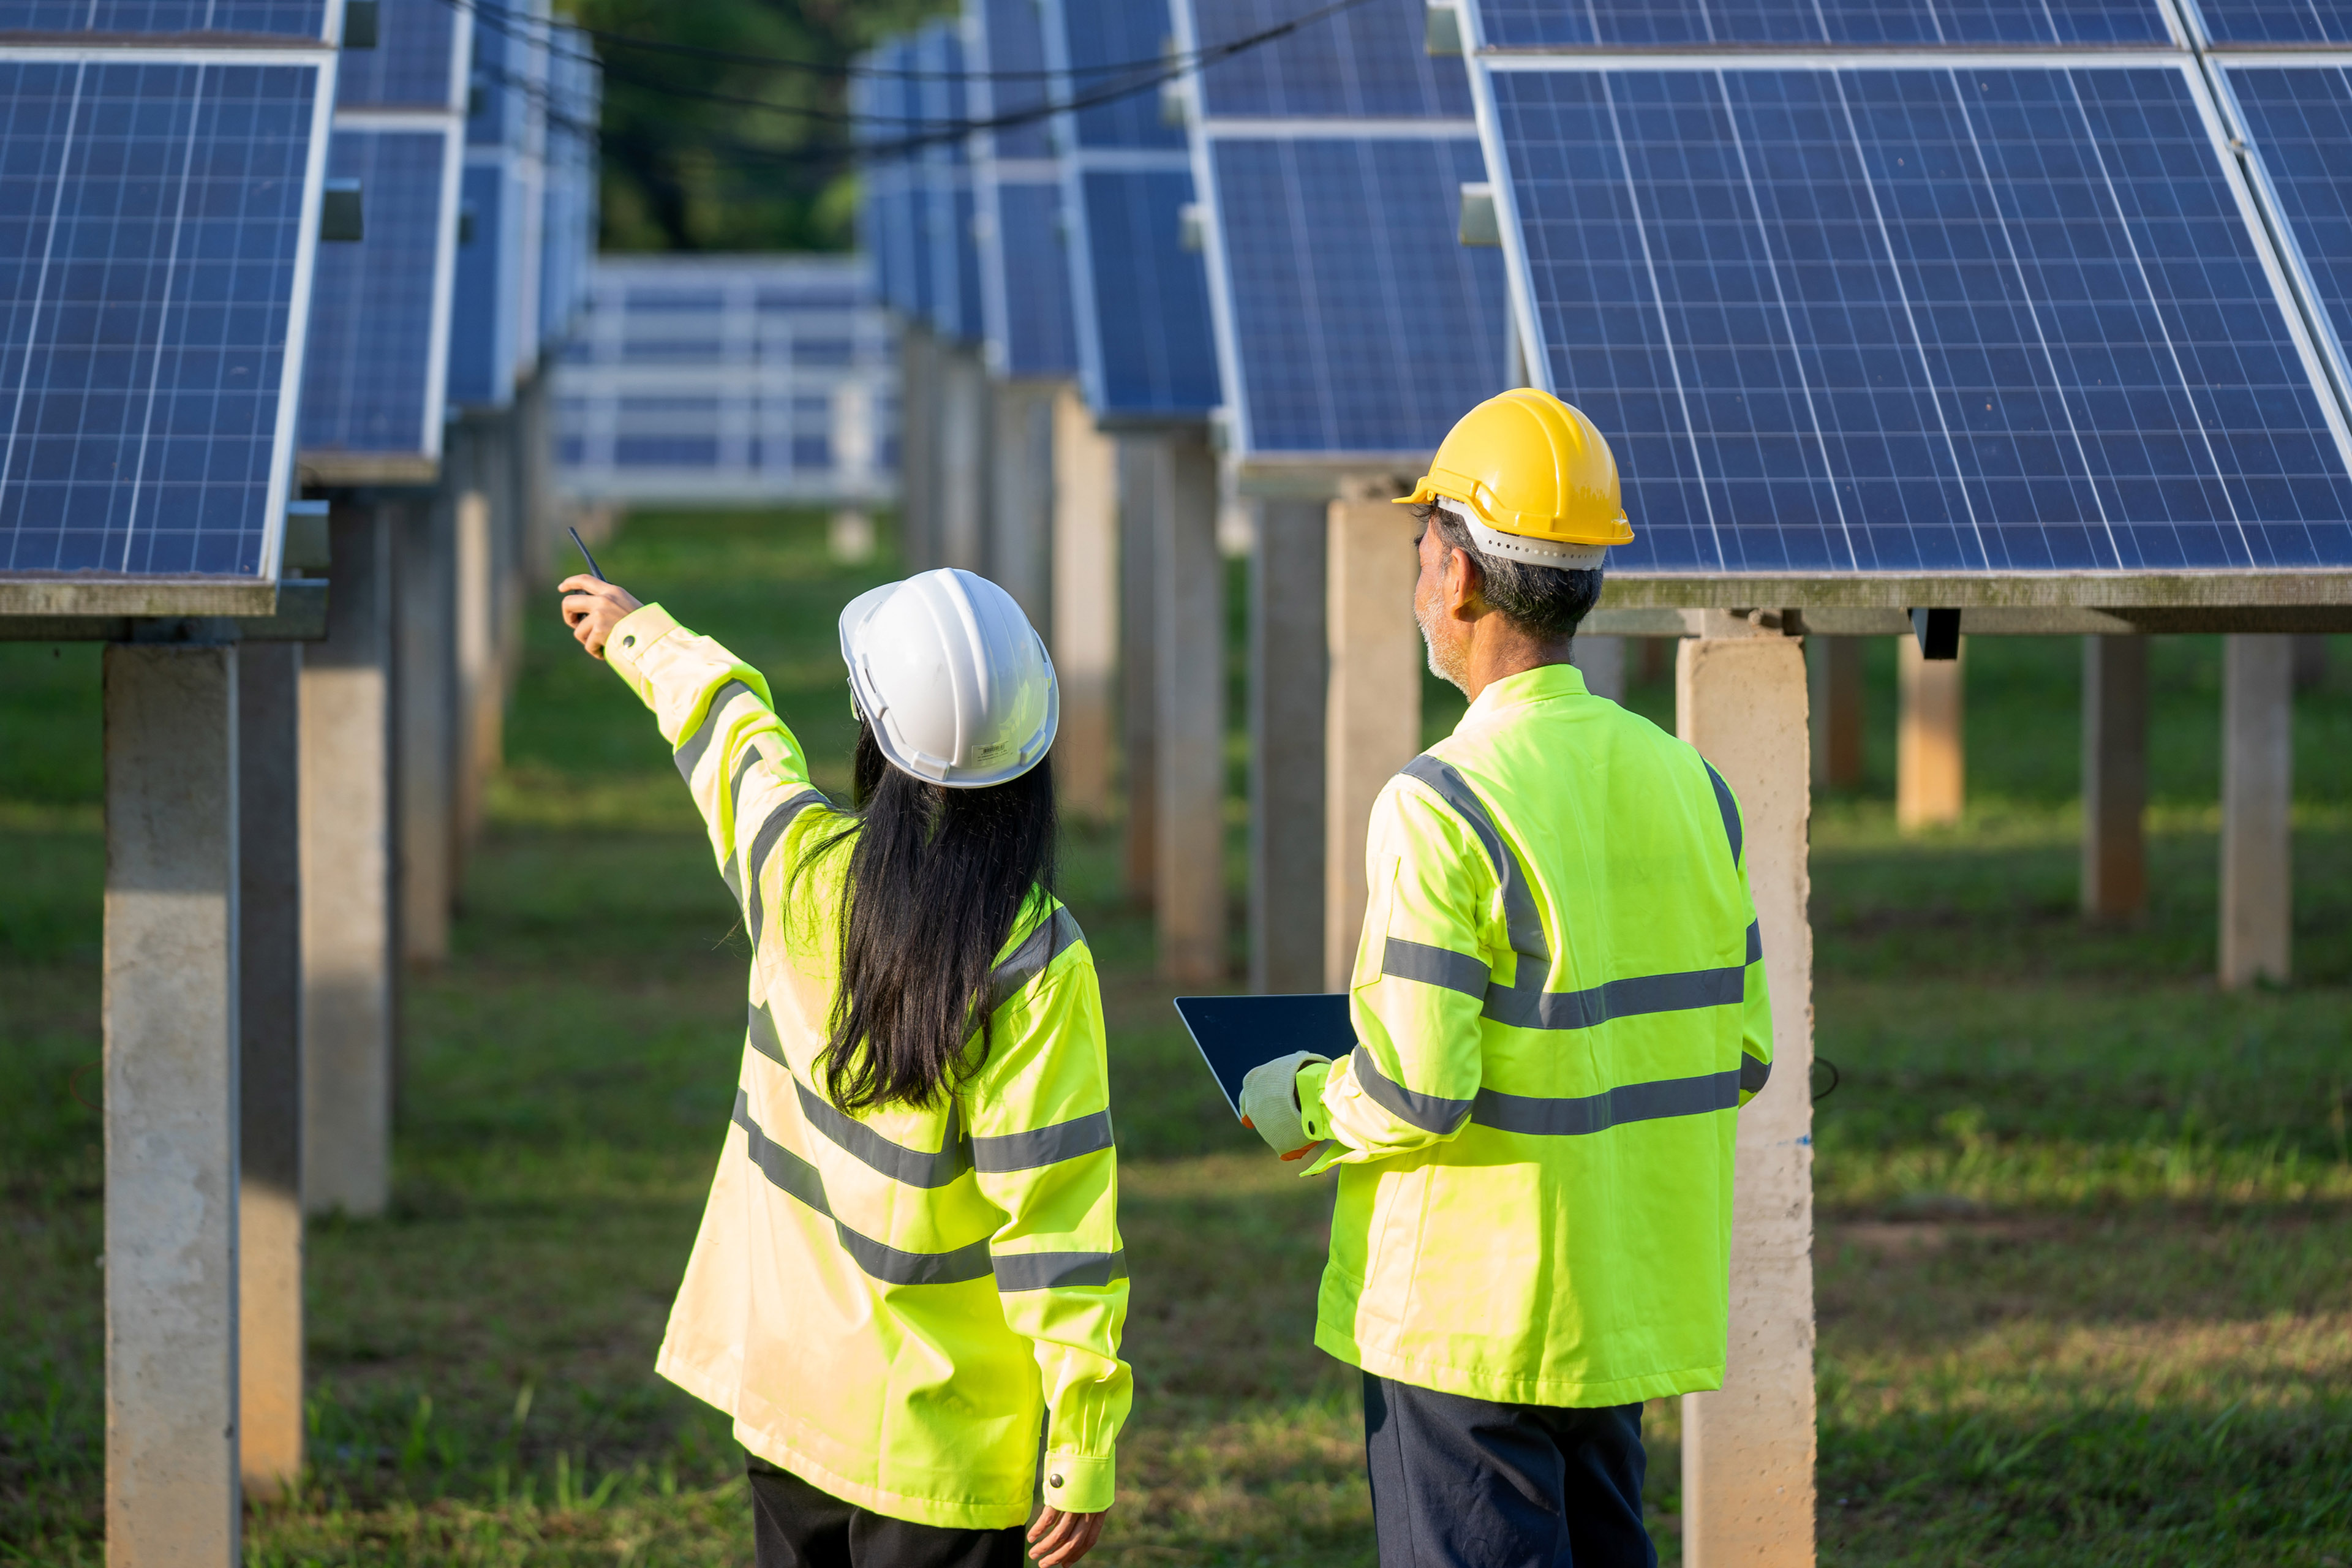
(937, 877)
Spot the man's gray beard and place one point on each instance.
(1452, 677)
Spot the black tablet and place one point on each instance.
(1237, 1033)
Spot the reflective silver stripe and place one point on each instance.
(1433, 966)
(1046, 1146)
(1430, 1112)
(1730, 807)
(1755, 940)
(762, 1029)
(1519, 898)
(689, 755)
(916, 1167)
(1054, 935)
(755, 858)
(1569, 1118)
(1630, 998)
(1052, 1270)
(797, 1178)
(735, 786)
(1753, 1075)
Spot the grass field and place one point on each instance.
(2086, 1248)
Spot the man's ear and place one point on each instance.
(1460, 579)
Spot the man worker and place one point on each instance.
(1559, 1005)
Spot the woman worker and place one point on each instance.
(910, 1261)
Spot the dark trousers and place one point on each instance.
(1467, 1483)
(794, 1525)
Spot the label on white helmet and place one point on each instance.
(1520, 547)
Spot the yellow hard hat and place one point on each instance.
(1529, 468)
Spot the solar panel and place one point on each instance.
(1357, 321)
(1366, 62)
(274, 18)
(1545, 23)
(2274, 21)
(484, 345)
(1152, 353)
(953, 293)
(373, 369)
(1014, 34)
(2298, 122)
(156, 260)
(1981, 316)
(1025, 270)
(574, 101)
(1035, 335)
(1095, 45)
(419, 60)
(508, 85)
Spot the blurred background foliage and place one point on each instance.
(687, 173)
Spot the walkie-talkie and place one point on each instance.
(583, 543)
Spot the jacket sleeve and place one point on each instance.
(749, 775)
(1433, 931)
(1040, 1122)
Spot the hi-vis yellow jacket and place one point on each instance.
(1559, 1006)
(890, 1305)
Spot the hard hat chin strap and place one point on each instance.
(1520, 547)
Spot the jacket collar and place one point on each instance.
(1541, 684)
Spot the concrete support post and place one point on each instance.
(2114, 777)
(2310, 661)
(1084, 600)
(1601, 662)
(172, 1046)
(1747, 1448)
(918, 448)
(1020, 506)
(1930, 770)
(1189, 670)
(269, 1090)
(1372, 716)
(1290, 664)
(1837, 703)
(962, 492)
(1140, 459)
(481, 695)
(425, 601)
(2257, 799)
(347, 879)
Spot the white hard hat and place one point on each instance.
(951, 676)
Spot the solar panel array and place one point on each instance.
(1139, 296)
(1351, 322)
(1935, 310)
(156, 262)
(728, 379)
(574, 106)
(1024, 274)
(181, 20)
(494, 335)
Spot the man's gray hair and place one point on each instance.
(1547, 601)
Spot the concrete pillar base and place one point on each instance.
(1140, 494)
(1372, 717)
(172, 1048)
(1748, 1448)
(1189, 626)
(2114, 777)
(1931, 773)
(1837, 704)
(1289, 666)
(2257, 803)
(1086, 600)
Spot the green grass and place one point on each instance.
(2084, 1270)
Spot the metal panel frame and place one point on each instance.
(2210, 588)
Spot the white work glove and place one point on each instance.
(1270, 1104)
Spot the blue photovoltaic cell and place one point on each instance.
(1151, 298)
(1117, 34)
(410, 65)
(953, 254)
(1538, 24)
(367, 366)
(2299, 120)
(481, 329)
(278, 18)
(147, 258)
(1040, 338)
(2276, 21)
(509, 75)
(1016, 57)
(1368, 61)
(2005, 319)
(1361, 324)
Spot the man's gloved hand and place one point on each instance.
(1270, 1104)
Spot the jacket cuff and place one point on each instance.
(633, 637)
(1079, 1483)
